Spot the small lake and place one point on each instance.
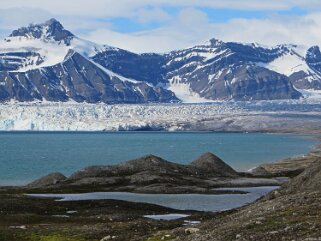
(25, 156)
(198, 202)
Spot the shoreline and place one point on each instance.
(315, 149)
(32, 219)
(294, 165)
(259, 131)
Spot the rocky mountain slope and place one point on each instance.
(291, 213)
(47, 62)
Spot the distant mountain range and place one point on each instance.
(45, 62)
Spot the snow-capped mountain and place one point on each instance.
(47, 62)
(219, 70)
(41, 45)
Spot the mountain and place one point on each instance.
(50, 30)
(47, 62)
(224, 71)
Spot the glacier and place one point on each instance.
(244, 116)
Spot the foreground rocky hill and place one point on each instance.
(291, 213)
(47, 62)
(152, 174)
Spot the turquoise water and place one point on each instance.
(27, 156)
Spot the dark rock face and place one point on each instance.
(303, 80)
(313, 57)
(79, 79)
(145, 67)
(14, 61)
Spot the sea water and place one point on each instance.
(27, 156)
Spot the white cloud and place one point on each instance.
(189, 27)
(186, 29)
(112, 8)
(192, 27)
(274, 30)
(10, 19)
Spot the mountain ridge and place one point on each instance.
(213, 71)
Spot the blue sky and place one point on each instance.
(163, 25)
(215, 15)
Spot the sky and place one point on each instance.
(165, 25)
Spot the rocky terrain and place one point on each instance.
(152, 174)
(290, 213)
(288, 167)
(46, 62)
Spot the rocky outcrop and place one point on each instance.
(290, 167)
(211, 164)
(150, 174)
(207, 165)
(49, 180)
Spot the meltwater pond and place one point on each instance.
(27, 156)
(199, 202)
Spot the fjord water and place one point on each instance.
(27, 156)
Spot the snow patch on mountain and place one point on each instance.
(288, 64)
(185, 94)
(49, 52)
(183, 91)
(292, 61)
(312, 95)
